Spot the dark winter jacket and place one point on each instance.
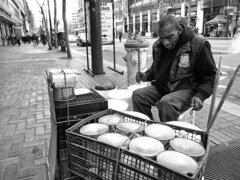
(190, 65)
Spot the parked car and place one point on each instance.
(72, 38)
(81, 40)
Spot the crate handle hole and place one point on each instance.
(190, 174)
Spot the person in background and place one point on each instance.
(182, 74)
(120, 36)
(234, 30)
(34, 39)
(3, 40)
(129, 34)
(18, 39)
(43, 38)
(9, 39)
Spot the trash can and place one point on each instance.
(132, 46)
(61, 40)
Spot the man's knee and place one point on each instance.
(164, 102)
(136, 95)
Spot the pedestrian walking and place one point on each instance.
(129, 35)
(44, 39)
(120, 36)
(3, 40)
(178, 79)
(18, 39)
(9, 39)
(34, 39)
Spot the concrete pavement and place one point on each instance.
(25, 126)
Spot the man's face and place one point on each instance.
(169, 35)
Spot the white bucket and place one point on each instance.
(133, 88)
(105, 93)
(118, 105)
(121, 94)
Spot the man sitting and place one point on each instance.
(182, 73)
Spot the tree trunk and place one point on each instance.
(55, 24)
(65, 29)
(46, 26)
(50, 22)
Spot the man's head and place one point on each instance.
(169, 31)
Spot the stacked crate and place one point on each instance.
(67, 113)
(91, 159)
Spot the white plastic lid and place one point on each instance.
(121, 94)
(118, 105)
(137, 114)
(146, 146)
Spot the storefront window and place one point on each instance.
(145, 18)
(132, 2)
(137, 19)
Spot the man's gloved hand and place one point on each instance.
(196, 103)
(140, 76)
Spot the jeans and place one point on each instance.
(170, 106)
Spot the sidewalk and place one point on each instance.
(25, 126)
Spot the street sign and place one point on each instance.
(106, 21)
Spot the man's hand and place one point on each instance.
(196, 103)
(140, 76)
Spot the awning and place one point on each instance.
(217, 19)
(6, 18)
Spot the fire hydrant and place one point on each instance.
(136, 58)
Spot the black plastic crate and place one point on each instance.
(87, 154)
(82, 104)
(63, 162)
(63, 125)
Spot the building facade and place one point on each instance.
(14, 18)
(227, 9)
(75, 21)
(143, 15)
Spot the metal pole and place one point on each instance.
(226, 33)
(114, 54)
(189, 13)
(88, 70)
(96, 37)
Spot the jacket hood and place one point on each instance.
(187, 35)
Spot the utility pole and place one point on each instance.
(96, 37)
(227, 26)
(50, 22)
(189, 12)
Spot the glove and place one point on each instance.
(140, 76)
(196, 103)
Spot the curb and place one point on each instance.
(219, 52)
(227, 106)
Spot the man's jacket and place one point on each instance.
(192, 67)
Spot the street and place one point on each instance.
(219, 49)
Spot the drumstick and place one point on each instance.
(223, 99)
(216, 83)
(184, 113)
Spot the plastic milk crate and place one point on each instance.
(82, 104)
(91, 159)
(63, 124)
(65, 174)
